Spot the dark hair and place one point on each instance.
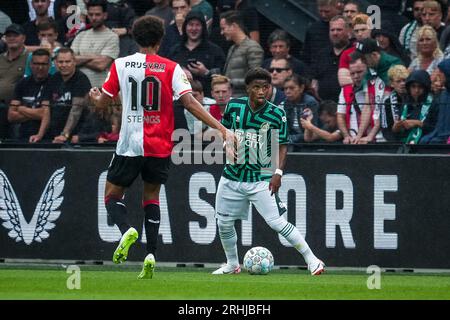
(65, 50)
(47, 25)
(196, 86)
(288, 64)
(257, 73)
(279, 35)
(355, 56)
(187, 1)
(356, 3)
(348, 23)
(328, 106)
(148, 31)
(97, 3)
(40, 52)
(302, 81)
(299, 80)
(233, 16)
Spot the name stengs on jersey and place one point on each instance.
(151, 66)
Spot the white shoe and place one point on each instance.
(316, 267)
(228, 269)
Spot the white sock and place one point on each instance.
(294, 237)
(228, 237)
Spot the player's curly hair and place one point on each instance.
(148, 31)
(257, 73)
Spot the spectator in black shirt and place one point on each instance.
(69, 90)
(326, 61)
(30, 105)
(196, 53)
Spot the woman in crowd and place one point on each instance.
(298, 98)
(428, 52)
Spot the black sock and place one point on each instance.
(152, 213)
(117, 211)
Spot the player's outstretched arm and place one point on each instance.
(194, 107)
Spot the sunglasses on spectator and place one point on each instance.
(277, 70)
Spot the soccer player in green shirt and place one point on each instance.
(260, 129)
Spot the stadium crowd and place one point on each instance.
(356, 80)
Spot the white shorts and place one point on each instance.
(233, 199)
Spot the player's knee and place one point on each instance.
(225, 225)
(277, 224)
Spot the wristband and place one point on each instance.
(279, 172)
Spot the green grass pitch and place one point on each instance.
(170, 283)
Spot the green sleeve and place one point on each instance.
(283, 134)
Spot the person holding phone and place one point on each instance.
(198, 56)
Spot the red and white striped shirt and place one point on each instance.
(148, 84)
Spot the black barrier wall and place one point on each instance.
(355, 210)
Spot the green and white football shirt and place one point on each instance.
(259, 134)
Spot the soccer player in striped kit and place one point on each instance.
(260, 129)
(147, 83)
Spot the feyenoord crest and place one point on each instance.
(45, 214)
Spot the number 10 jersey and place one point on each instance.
(148, 84)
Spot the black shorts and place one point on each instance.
(124, 170)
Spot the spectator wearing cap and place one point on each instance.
(408, 34)
(196, 53)
(429, 55)
(418, 115)
(12, 67)
(326, 61)
(243, 55)
(279, 44)
(377, 60)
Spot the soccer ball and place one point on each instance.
(258, 260)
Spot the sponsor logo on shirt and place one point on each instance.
(152, 66)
